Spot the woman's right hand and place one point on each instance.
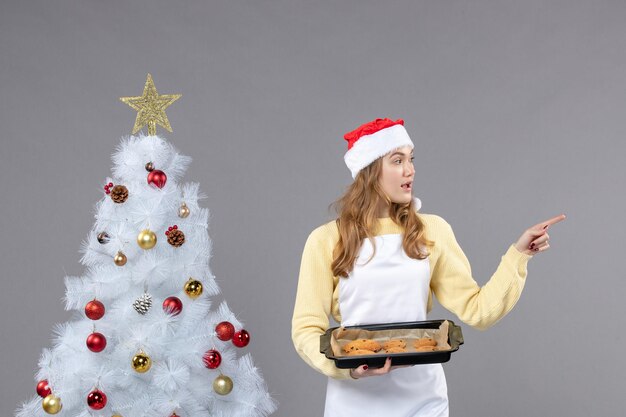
(364, 371)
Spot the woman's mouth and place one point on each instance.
(407, 186)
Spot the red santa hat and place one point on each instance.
(373, 140)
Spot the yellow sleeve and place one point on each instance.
(313, 305)
(456, 290)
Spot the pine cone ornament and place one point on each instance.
(119, 194)
(143, 304)
(175, 237)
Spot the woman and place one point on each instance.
(379, 262)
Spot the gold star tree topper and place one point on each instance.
(151, 108)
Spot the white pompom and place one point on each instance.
(418, 203)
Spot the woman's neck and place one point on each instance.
(382, 210)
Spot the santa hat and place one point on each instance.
(372, 140)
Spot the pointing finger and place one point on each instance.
(549, 222)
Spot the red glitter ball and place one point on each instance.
(94, 310)
(225, 330)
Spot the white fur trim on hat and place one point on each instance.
(369, 148)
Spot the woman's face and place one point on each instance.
(396, 178)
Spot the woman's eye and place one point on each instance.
(412, 158)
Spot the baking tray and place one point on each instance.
(455, 339)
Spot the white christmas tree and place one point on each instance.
(144, 339)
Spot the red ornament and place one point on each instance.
(225, 330)
(43, 389)
(173, 306)
(241, 338)
(97, 399)
(96, 342)
(157, 178)
(94, 310)
(212, 359)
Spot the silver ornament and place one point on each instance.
(143, 304)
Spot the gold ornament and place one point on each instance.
(51, 404)
(149, 167)
(146, 239)
(223, 385)
(120, 259)
(193, 288)
(183, 211)
(141, 362)
(151, 108)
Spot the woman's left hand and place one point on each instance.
(535, 238)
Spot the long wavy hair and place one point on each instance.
(357, 214)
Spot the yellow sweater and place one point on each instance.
(451, 282)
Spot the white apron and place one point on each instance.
(390, 288)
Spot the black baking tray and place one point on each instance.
(455, 339)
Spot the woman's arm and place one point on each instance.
(456, 289)
(313, 304)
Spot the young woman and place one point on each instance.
(379, 262)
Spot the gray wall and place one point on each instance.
(518, 111)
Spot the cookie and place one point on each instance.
(367, 344)
(425, 348)
(395, 349)
(425, 341)
(391, 343)
(359, 352)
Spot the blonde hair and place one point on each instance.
(357, 216)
